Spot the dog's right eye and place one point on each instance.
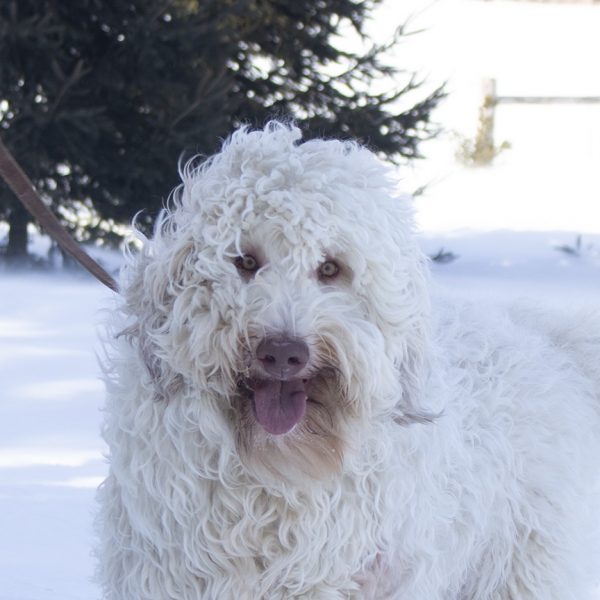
(246, 263)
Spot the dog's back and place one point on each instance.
(575, 332)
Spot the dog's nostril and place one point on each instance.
(269, 358)
(293, 360)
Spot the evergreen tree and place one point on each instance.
(98, 98)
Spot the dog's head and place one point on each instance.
(284, 293)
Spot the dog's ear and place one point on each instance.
(399, 295)
(151, 291)
(413, 360)
(413, 368)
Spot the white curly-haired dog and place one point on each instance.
(288, 416)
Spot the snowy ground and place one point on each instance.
(50, 449)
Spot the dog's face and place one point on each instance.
(286, 291)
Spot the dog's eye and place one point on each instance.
(246, 263)
(329, 269)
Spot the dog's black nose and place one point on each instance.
(282, 358)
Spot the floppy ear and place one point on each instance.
(412, 370)
(152, 291)
(401, 300)
(413, 359)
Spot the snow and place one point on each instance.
(506, 223)
(51, 454)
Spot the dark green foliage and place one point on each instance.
(98, 98)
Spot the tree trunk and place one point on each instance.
(17, 234)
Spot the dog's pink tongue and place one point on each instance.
(279, 404)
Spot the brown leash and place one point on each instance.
(20, 184)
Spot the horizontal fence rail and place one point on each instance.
(546, 100)
(491, 98)
(482, 149)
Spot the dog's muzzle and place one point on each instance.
(278, 391)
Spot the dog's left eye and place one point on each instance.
(246, 263)
(329, 269)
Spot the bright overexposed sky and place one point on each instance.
(548, 179)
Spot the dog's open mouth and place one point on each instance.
(278, 405)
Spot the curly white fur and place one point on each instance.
(446, 453)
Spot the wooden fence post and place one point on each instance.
(488, 114)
